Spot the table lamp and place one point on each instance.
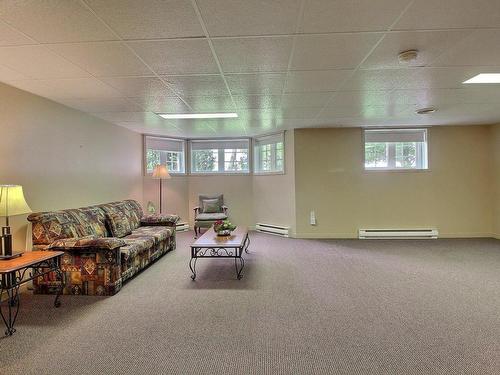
(12, 203)
(160, 172)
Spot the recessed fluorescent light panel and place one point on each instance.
(197, 115)
(485, 78)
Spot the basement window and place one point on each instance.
(396, 149)
(166, 151)
(213, 156)
(269, 154)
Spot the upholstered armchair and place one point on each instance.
(211, 208)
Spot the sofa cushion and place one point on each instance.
(118, 224)
(135, 244)
(211, 217)
(88, 242)
(159, 233)
(48, 227)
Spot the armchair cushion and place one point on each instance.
(159, 219)
(211, 206)
(88, 242)
(219, 197)
(211, 217)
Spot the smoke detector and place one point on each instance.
(425, 111)
(407, 57)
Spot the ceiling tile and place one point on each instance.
(366, 98)
(136, 87)
(10, 37)
(479, 49)
(299, 112)
(186, 56)
(360, 15)
(197, 85)
(443, 78)
(160, 104)
(48, 64)
(149, 19)
(375, 80)
(146, 117)
(70, 88)
(243, 17)
(210, 103)
(450, 14)
(97, 105)
(429, 44)
(7, 74)
(317, 80)
(257, 101)
(265, 54)
(54, 21)
(310, 99)
(102, 58)
(333, 51)
(248, 84)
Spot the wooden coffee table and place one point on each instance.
(210, 245)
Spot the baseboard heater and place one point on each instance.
(408, 234)
(277, 230)
(181, 227)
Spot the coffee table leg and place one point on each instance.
(242, 264)
(246, 243)
(192, 266)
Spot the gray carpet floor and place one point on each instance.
(302, 307)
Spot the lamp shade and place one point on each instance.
(161, 172)
(12, 201)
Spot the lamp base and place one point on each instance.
(11, 256)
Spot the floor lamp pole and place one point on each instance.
(160, 194)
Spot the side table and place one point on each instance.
(14, 273)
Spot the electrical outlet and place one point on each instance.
(312, 220)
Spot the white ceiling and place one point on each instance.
(279, 64)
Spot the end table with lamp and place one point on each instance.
(14, 267)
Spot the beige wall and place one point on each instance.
(455, 195)
(62, 157)
(274, 195)
(496, 170)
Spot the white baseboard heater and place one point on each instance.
(181, 227)
(408, 234)
(277, 230)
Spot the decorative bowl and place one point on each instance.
(224, 232)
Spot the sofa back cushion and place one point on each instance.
(122, 217)
(48, 227)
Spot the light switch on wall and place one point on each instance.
(312, 220)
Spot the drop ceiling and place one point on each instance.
(279, 64)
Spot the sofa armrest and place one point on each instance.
(88, 243)
(224, 209)
(160, 220)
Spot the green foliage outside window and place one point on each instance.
(205, 160)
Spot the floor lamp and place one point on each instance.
(160, 172)
(12, 203)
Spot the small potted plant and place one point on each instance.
(223, 227)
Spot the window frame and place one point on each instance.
(220, 159)
(397, 170)
(256, 162)
(171, 172)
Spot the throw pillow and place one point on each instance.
(211, 206)
(118, 223)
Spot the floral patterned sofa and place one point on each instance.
(104, 245)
